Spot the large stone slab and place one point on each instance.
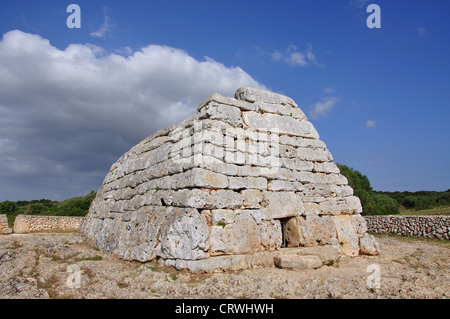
(297, 262)
(283, 124)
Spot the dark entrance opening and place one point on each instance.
(290, 236)
(283, 222)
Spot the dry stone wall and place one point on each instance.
(4, 228)
(33, 223)
(417, 226)
(243, 175)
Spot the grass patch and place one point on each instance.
(221, 223)
(432, 211)
(174, 276)
(95, 258)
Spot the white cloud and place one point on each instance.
(105, 28)
(421, 31)
(277, 55)
(370, 124)
(322, 108)
(329, 90)
(293, 57)
(359, 3)
(67, 115)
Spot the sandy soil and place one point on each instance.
(45, 266)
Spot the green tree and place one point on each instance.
(35, 209)
(372, 203)
(8, 207)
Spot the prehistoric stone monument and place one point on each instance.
(243, 176)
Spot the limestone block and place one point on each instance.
(226, 113)
(292, 233)
(298, 141)
(297, 262)
(316, 230)
(4, 228)
(368, 245)
(132, 238)
(226, 216)
(359, 224)
(255, 95)
(326, 167)
(199, 177)
(280, 185)
(220, 99)
(354, 204)
(313, 154)
(334, 206)
(346, 235)
(252, 198)
(283, 124)
(327, 190)
(240, 237)
(223, 168)
(326, 254)
(280, 205)
(184, 235)
(270, 234)
(206, 199)
(297, 164)
(247, 183)
(286, 110)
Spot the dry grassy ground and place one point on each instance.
(36, 266)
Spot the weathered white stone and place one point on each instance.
(346, 235)
(326, 167)
(280, 205)
(252, 198)
(219, 98)
(368, 245)
(185, 236)
(297, 164)
(254, 95)
(206, 199)
(315, 230)
(301, 141)
(359, 225)
(4, 228)
(270, 234)
(297, 262)
(280, 185)
(225, 113)
(327, 254)
(240, 237)
(199, 177)
(247, 183)
(287, 110)
(226, 216)
(284, 125)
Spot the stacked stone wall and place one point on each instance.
(33, 223)
(415, 226)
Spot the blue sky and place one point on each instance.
(74, 100)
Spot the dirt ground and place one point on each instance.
(41, 266)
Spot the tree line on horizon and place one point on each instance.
(387, 203)
(373, 202)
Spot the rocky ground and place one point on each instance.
(42, 266)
